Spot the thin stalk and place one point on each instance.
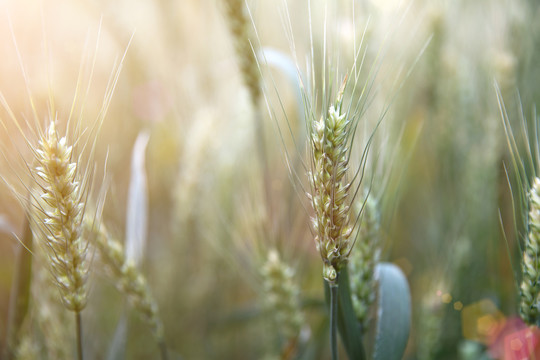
(20, 292)
(333, 319)
(163, 350)
(263, 159)
(79, 335)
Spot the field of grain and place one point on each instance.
(295, 179)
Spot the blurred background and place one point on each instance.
(215, 210)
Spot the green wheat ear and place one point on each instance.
(364, 257)
(530, 286)
(281, 295)
(330, 188)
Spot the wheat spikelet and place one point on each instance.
(59, 212)
(127, 277)
(329, 188)
(240, 29)
(530, 286)
(362, 262)
(281, 295)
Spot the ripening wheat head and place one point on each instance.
(61, 198)
(334, 104)
(55, 184)
(330, 186)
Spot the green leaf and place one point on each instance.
(393, 313)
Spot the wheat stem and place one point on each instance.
(163, 350)
(334, 287)
(79, 335)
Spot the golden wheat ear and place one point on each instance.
(59, 176)
(61, 197)
(60, 192)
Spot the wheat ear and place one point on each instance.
(329, 188)
(240, 28)
(530, 286)
(59, 213)
(329, 192)
(129, 281)
(239, 24)
(60, 210)
(281, 295)
(364, 257)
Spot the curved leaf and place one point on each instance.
(137, 204)
(393, 313)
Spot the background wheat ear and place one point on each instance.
(364, 257)
(240, 27)
(282, 297)
(128, 280)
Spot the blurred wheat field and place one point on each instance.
(212, 210)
